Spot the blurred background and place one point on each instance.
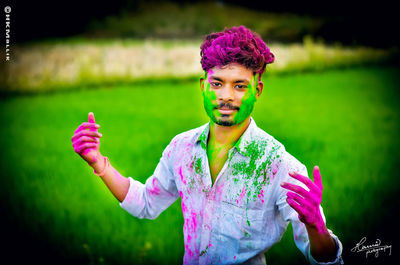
(331, 97)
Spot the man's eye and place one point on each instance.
(215, 84)
(241, 86)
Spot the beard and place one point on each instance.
(225, 119)
(224, 122)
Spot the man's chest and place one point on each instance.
(239, 173)
(216, 161)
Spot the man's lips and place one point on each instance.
(225, 110)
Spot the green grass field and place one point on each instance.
(345, 121)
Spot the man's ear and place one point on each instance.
(259, 89)
(201, 84)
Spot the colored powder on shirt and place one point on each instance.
(261, 195)
(240, 198)
(255, 174)
(189, 227)
(198, 165)
(204, 251)
(181, 175)
(191, 164)
(155, 190)
(203, 140)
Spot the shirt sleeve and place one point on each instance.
(157, 194)
(288, 214)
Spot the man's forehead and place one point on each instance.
(231, 72)
(235, 79)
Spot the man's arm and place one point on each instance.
(86, 143)
(307, 204)
(116, 183)
(322, 245)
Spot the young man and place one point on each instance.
(239, 186)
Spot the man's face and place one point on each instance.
(229, 93)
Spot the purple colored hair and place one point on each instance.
(236, 44)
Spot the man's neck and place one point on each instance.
(227, 135)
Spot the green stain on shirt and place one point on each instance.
(253, 171)
(198, 165)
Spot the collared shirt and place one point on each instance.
(236, 219)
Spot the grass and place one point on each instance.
(346, 121)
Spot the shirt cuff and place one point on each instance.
(337, 261)
(133, 202)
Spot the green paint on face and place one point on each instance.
(248, 100)
(209, 97)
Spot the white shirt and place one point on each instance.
(240, 216)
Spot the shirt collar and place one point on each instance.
(240, 145)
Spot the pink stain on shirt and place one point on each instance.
(172, 146)
(218, 192)
(274, 167)
(190, 232)
(241, 196)
(191, 166)
(189, 147)
(189, 229)
(184, 208)
(182, 177)
(261, 195)
(155, 189)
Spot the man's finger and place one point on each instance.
(297, 207)
(91, 120)
(317, 177)
(305, 180)
(86, 125)
(91, 117)
(87, 133)
(297, 189)
(300, 200)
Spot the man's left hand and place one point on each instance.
(306, 203)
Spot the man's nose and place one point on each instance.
(226, 94)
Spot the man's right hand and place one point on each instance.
(86, 143)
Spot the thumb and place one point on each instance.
(91, 117)
(91, 120)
